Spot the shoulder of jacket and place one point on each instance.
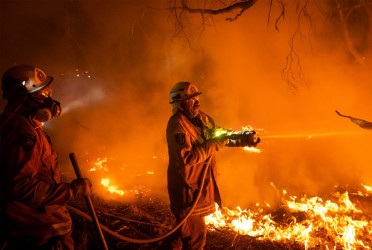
(206, 118)
(177, 118)
(177, 122)
(21, 125)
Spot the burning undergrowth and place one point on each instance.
(114, 179)
(341, 219)
(338, 219)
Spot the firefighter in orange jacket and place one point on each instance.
(33, 213)
(190, 144)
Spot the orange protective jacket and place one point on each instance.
(32, 197)
(188, 152)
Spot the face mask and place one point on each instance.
(48, 110)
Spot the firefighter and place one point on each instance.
(33, 213)
(190, 144)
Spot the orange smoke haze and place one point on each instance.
(114, 63)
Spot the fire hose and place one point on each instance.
(235, 139)
(151, 240)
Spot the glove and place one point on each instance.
(220, 142)
(80, 187)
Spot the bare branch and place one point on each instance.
(292, 72)
(268, 16)
(222, 2)
(359, 57)
(178, 11)
(237, 15)
(243, 5)
(282, 14)
(352, 10)
(179, 27)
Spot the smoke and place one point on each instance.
(129, 52)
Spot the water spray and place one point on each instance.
(311, 135)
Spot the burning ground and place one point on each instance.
(114, 63)
(338, 219)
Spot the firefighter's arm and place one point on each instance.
(22, 184)
(193, 154)
(200, 152)
(37, 193)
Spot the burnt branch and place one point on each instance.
(349, 43)
(237, 15)
(282, 14)
(180, 8)
(367, 6)
(354, 8)
(268, 16)
(242, 5)
(292, 72)
(179, 26)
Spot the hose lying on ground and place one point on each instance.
(151, 240)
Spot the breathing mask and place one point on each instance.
(48, 110)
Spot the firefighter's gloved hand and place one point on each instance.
(80, 187)
(220, 142)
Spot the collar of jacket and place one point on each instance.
(197, 132)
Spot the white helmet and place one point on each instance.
(182, 91)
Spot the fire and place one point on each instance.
(311, 221)
(115, 190)
(369, 189)
(252, 149)
(112, 189)
(100, 164)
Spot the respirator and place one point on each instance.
(48, 110)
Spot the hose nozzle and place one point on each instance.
(242, 139)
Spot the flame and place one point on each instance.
(310, 221)
(112, 189)
(100, 165)
(115, 190)
(252, 149)
(368, 188)
(247, 128)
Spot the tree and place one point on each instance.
(352, 19)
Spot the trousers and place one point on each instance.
(191, 235)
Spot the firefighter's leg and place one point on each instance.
(197, 233)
